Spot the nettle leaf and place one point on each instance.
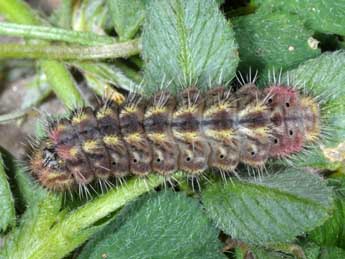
(332, 253)
(324, 78)
(160, 225)
(127, 16)
(187, 42)
(272, 210)
(332, 232)
(269, 40)
(7, 210)
(319, 15)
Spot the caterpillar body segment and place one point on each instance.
(157, 123)
(162, 134)
(187, 131)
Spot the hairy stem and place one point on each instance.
(61, 52)
(54, 34)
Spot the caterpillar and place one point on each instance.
(190, 132)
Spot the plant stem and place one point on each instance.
(59, 242)
(5, 118)
(54, 34)
(19, 12)
(60, 52)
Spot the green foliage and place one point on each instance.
(332, 253)
(101, 75)
(265, 41)
(271, 210)
(332, 232)
(127, 16)
(56, 34)
(323, 77)
(284, 214)
(187, 42)
(319, 15)
(90, 16)
(162, 225)
(6, 200)
(48, 231)
(62, 83)
(311, 250)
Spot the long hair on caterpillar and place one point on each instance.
(194, 130)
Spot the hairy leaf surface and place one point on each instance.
(272, 210)
(7, 211)
(273, 40)
(187, 42)
(127, 16)
(162, 225)
(320, 15)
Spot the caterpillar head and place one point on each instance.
(288, 134)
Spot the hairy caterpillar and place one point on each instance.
(164, 133)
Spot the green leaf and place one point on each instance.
(332, 253)
(273, 40)
(46, 231)
(24, 189)
(187, 42)
(100, 75)
(311, 250)
(19, 12)
(7, 211)
(62, 83)
(162, 225)
(127, 16)
(324, 77)
(62, 16)
(319, 15)
(90, 15)
(272, 210)
(35, 224)
(332, 232)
